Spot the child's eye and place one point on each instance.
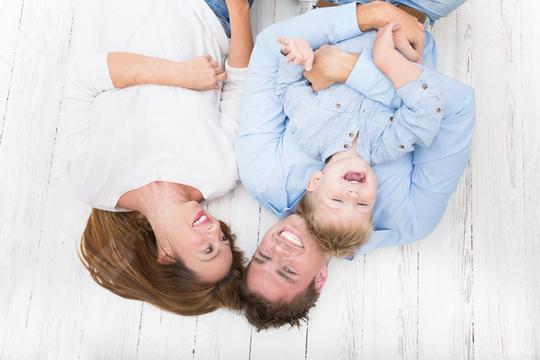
(337, 200)
(362, 204)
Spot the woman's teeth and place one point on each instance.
(200, 220)
(292, 238)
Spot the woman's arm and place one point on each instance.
(128, 69)
(241, 36)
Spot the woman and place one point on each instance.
(151, 128)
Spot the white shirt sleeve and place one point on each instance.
(87, 78)
(231, 95)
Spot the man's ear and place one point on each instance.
(314, 181)
(321, 277)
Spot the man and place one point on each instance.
(288, 269)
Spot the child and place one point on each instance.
(339, 200)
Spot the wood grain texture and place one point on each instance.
(469, 291)
(446, 257)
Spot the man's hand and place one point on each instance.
(409, 39)
(200, 73)
(331, 65)
(297, 51)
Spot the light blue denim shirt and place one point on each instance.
(413, 191)
(325, 122)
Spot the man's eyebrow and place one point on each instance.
(213, 257)
(287, 278)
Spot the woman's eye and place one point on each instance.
(224, 238)
(265, 257)
(209, 250)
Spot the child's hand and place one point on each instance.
(384, 48)
(297, 51)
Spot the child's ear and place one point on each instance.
(314, 181)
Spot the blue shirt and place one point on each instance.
(413, 191)
(326, 122)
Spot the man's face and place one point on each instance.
(286, 262)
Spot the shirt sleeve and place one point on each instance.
(231, 95)
(86, 79)
(416, 122)
(369, 81)
(262, 120)
(437, 169)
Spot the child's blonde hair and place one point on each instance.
(334, 239)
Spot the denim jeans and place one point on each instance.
(219, 7)
(434, 9)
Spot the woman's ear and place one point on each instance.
(163, 251)
(314, 181)
(320, 280)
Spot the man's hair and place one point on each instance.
(265, 314)
(334, 239)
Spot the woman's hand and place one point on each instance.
(200, 73)
(297, 51)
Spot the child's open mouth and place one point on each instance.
(355, 177)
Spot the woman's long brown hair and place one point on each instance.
(120, 251)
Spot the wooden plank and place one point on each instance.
(531, 167)
(283, 343)
(502, 324)
(29, 131)
(445, 263)
(10, 23)
(337, 322)
(225, 334)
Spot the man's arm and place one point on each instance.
(437, 169)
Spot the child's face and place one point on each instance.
(345, 190)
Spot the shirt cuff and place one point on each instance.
(365, 75)
(95, 68)
(344, 21)
(235, 74)
(423, 89)
(288, 72)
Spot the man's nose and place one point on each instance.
(281, 249)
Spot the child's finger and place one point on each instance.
(290, 57)
(282, 41)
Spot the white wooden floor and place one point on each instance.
(469, 291)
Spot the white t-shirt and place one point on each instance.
(122, 139)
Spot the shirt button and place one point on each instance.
(391, 119)
(424, 86)
(351, 135)
(346, 146)
(338, 106)
(439, 110)
(401, 146)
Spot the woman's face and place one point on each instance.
(189, 233)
